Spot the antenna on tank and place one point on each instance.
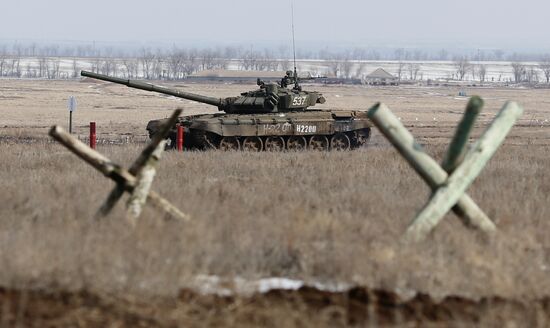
(294, 46)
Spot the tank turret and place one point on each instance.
(269, 98)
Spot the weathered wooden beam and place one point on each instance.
(144, 181)
(90, 156)
(475, 160)
(118, 191)
(109, 169)
(457, 148)
(111, 201)
(161, 135)
(424, 165)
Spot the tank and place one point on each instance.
(276, 116)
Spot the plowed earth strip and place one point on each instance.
(303, 307)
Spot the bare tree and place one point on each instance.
(360, 69)
(29, 71)
(334, 67)
(55, 68)
(42, 66)
(176, 58)
(482, 72)
(3, 57)
(286, 65)
(532, 75)
(463, 66)
(146, 59)
(519, 71)
(346, 68)
(191, 64)
(400, 69)
(544, 65)
(130, 68)
(413, 70)
(159, 71)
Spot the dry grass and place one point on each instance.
(313, 216)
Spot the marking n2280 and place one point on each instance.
(303, 128)
(286, 128)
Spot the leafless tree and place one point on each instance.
(413, 70)
(29, 71)
(130, 68)
(286, 65)
(14, 67)
(346, 68)
(544, 65)
(482, 72)
(42, 66)
(532, 75)
(207, 59)
(175, 60)
(463, 66)
(191, 64)
(146, 59)
(108, 67)
(250, 60)
(3, 57)
(334, 67)
(158, 69)
(360, 69)
(400, 69)
(519, 71)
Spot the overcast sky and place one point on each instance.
(468, 23)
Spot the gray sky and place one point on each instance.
(468, 23)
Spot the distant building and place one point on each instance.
(381, 77)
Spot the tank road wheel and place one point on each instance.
(318, 143)
(362, 136)
(274, 144)
(230, 143)
(253, 144)
(297, 143)
(340, 142)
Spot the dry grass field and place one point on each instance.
(319, 217)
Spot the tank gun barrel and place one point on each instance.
(219, 102)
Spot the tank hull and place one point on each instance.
(311, 129)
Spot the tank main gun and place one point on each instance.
(269, 98)
(219, 102)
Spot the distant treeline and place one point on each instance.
(234, 52)
(55, 62)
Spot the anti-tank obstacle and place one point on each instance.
(136, 180)
(460, 167)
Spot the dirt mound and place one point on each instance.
(303, 307)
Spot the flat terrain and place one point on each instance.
(318, 217)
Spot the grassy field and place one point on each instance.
(318, 217)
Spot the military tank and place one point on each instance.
(275, 117)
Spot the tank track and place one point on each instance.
(204, 140)
(340, 141)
